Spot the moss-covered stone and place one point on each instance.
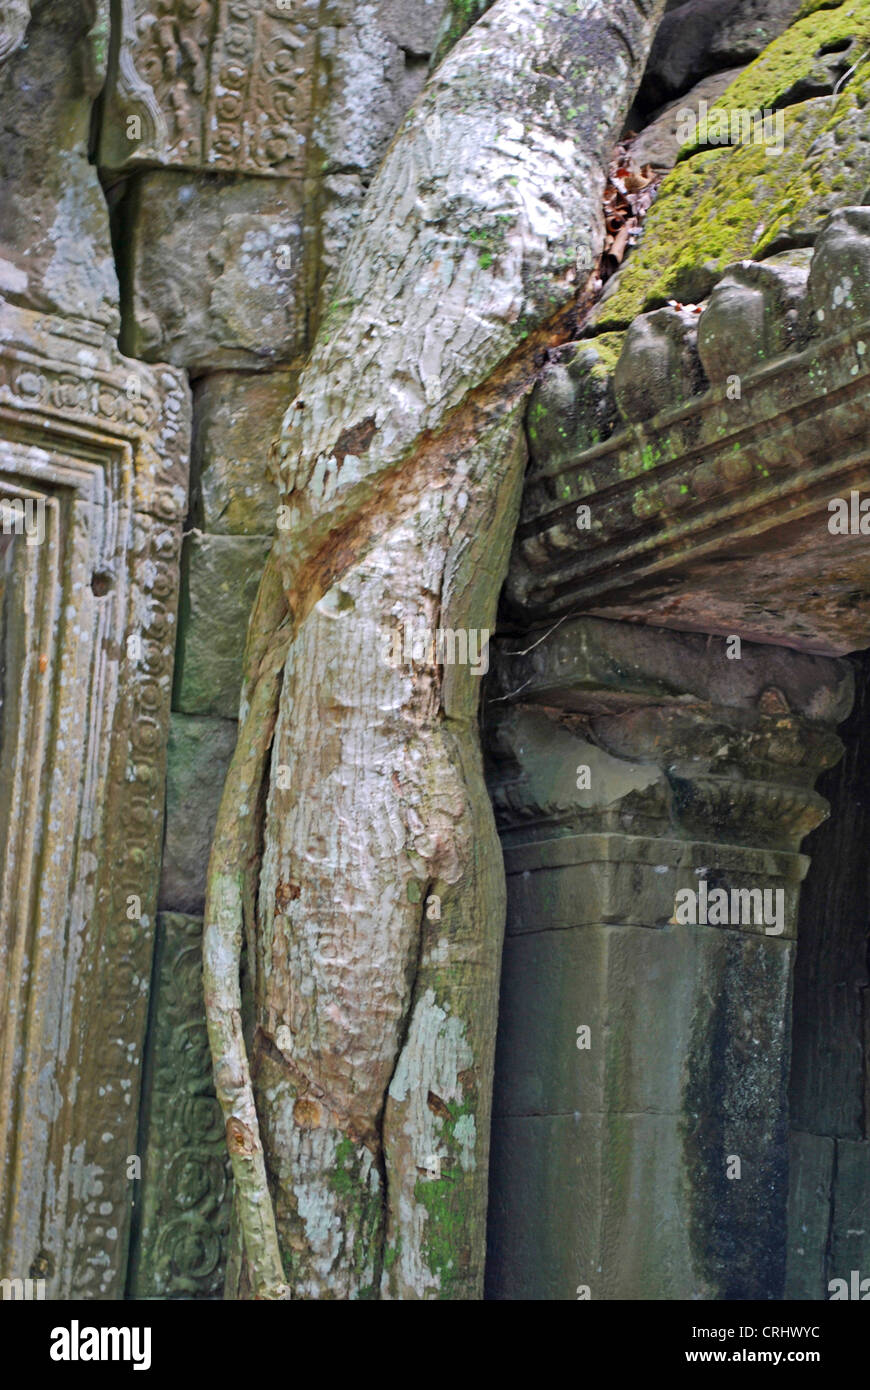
(799, 54)
(730, 204)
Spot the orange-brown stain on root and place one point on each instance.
(240, 1140)
(437, 1106)
(285, 894)
(307, 1113)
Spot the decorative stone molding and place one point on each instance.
(97, 445)
(713, 515)
(185, 1201)
(211, 84)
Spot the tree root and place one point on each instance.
(230, 903)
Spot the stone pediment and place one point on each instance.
(713, 514)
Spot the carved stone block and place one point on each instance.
(99, 446)
(185, 1194)
(839, 285)
(658, 366)
(753, 314)
(715, 514)
(642, 1062)
(211, 84)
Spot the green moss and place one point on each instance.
(361, 1210)
(608, 347)
(810, 7)
(795, 53)
(446, 1229)
(728, 204)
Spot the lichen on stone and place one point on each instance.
(735, 203)
(766, 82)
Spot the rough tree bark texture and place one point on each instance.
(375, 944)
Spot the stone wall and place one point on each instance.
(201, 166)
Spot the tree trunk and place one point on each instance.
(374, 910)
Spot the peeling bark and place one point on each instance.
(400, 464)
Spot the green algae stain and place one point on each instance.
(795, 53)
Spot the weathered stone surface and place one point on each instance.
(214, 275)
(745, 471)
(573, 407)
(184, 1196)
(702, 35)
(645, 995)
(197, 759)
(850, 1228)
(831, 972)
(89, 637)
(684, 1071)
(236, 419)
(220, 577)
(595, 667)
(839, 287)
(659, 366)
(660, 142)
(559, 1223)
(55, 250)
(753, 314)
(412, 24)
(811, 1180)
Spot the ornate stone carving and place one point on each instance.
(99, 444)
(185, 1197)
(220, 84)
(641, 525)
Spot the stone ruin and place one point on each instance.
(678, 699)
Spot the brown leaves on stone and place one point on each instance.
(628, 196)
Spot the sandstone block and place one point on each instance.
(753, 314)
(236, 418)
(220, 576)
(658, 366)
(839, 286)
(215, 275)
(199, 753)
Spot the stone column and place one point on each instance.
(641, 1107)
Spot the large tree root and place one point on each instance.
(400, 465)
